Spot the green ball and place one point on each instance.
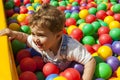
(92, 10)
(75, 15)
(75, 3)
(115, 34)
(98, 59)
(17, 45)
(96, 25)
(102, 23)
(113, 0)
(25, 29)
(102, 6)
(67, 15)
(54, 3)
(88, 29)
(9, 5)
(32, 1)
(40, 76)
(116, 8)
(62, 3)
(103, 70)
(88, 40)
(80, 21)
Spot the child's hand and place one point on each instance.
(6, 31)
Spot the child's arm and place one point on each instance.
(89, 69)
(14, 34)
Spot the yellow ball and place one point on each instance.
(108, 19)
(114, 24)
(83, 13)
(118, 72)
(21, 17)
(94, 54)
(59, 78)
(14, 26)
(30, 8)
(15, 15)
(81, 26)
(104, 52)
(71, 1)
(118, 58)
(38, 1)
(70, 28)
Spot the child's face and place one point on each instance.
(44, 38)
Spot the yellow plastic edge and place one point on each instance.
(7, 65)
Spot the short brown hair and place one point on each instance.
(49, 17)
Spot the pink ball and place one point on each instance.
(105, 39)
(103, 30)
(50, 68)
(27, 64)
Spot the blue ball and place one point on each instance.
(51, 76)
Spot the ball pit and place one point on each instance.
(97, 17)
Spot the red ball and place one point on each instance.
(26, 2)
(23, 54)
(90, 18)
(70, 21)
(28, 64)
(103, 30)
(101, 14)
(89, 48)
(50, 68)
(46, 1)
(77, 34)
(109, 5)
(105, 39)
(9, 12)
(96, 47)
(28, 75)
(23, 10)
(61, 8)
(71, 74)
(39, 62)
(17, 2)
(110, 13)
(83, 7)
(89, 5)
(68, 7)
(117, 16)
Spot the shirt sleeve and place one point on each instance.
(79, 54)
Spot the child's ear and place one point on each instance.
(59, 35)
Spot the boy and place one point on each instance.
(47, 38)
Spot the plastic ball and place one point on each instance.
(98, 59)
(88, 40)
(116, 8)
(80, 21)
(91, 5)
(96, 25)
(23, 53)
(102, 6)
(89, 48)
(21, 17)
(114, 24)
(103, 30)
(81, 25)
(88, 29)
(17, 2)
(102, 23)
(9, 12)
(70, 28)
(92, 10)
(71, 74)
(40, 75)
(39, 62)
(90, 18)
(25, 29)
(115, 33)
(70, 21)
(118, 72)
(104, 52)
(113, 62)
(101, 14)
(75, 15)
(17, 45)
(67, 15)
(59, 78)
(105, 39)
(51, 76)
(103, 70)
(14, 26)
(83, 13)
(110, 13)
(77, 34)
(117, 17)
(108, 19)
(27, 64)
(23, 10)
(50, 68)
(16, 9)
(28, 75)
(9, 5)
(96, 46)
(116, 47)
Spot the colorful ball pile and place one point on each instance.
(95, 23)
